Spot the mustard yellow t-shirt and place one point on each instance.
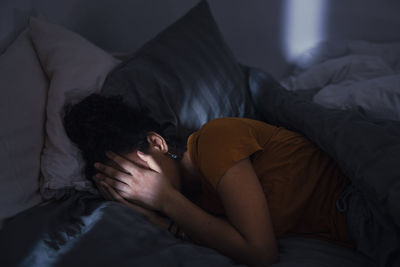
(301, 182)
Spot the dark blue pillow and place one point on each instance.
(185, 76)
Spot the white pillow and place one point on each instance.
(22, 106)
(76, 68)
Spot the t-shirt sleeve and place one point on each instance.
(220, 144)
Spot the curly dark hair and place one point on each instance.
(98, 124)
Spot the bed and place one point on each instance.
(342, 94)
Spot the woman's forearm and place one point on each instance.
(211, 231)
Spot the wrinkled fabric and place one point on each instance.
(84, 230)
(367, 151)
(367, 229)
(351, 75)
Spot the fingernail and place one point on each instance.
(140, 153)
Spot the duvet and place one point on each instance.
(366, 149)
(84, 230)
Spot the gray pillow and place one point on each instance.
(185, 76)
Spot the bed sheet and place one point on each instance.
(84, 230)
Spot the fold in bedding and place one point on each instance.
(351, 75)
(87, 231)
(84, 230)
(367, 151)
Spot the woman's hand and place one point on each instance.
(147, 186)
(111, 194)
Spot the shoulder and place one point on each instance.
(228, 130)
(221, 132)
(219, 123)
(228, 125)
(229, 121)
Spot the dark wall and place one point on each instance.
(256, 30)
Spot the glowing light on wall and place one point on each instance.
(304, 25)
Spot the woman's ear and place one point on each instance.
(157, 142)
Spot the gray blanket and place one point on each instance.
(84, 230)
(366, 149)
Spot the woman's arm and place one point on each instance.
(247, 236)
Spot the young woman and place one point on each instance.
(237, 186)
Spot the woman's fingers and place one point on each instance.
(115, 195)
(125, 164)
(110, 194)
(119, 197)
(140, 184)
(104, 192)
(114, 183)
(107, 169)
(114, 173)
